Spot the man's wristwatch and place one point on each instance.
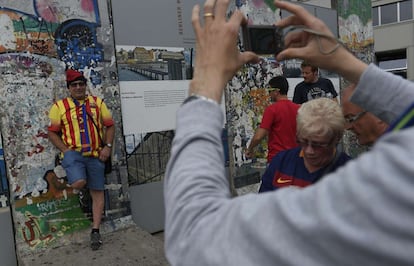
(194, 96)
(109, 145)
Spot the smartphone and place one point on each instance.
(263, 39)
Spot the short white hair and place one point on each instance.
(320, 117)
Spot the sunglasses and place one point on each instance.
(76, 84)
(270, 89)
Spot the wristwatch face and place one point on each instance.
(109, 145)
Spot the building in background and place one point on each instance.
(394, 36)
(393, 27)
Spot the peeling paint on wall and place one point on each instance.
(247, 99)
(39, 39)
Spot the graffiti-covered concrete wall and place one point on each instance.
(356, 32)
(246, 98)
(39, 39)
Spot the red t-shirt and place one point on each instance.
(280, 120)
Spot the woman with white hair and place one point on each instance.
(319, 128)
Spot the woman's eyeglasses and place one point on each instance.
(315, 145)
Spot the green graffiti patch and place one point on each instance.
(43, 221)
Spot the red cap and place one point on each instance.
(72, 75)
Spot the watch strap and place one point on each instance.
(193, 97)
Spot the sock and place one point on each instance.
(95, 230)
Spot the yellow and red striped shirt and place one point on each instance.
(73, 119)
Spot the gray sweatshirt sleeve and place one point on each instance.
(383, 94)
(362, 214)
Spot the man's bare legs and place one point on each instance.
(79, 184)
(98, 202)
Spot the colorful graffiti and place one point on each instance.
(355, 27)
(39, 39)
(246, 97)
(258, 12)
(66, 30)
(63, 216)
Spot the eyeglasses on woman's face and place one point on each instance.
(314, 144)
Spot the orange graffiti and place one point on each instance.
(32, 232)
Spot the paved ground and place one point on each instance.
(128, 246)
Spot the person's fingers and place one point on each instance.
(221, 9)
(289, 21)
(209, 12)
(195, 20)
(249, 57)
(238, 19)
(300, 17)
(209, 6)
(295, 45)
(234, 23)
(290, 53)
(296, 39)
(209, 55)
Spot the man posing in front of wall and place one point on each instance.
(313, 86)
(82, 128)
